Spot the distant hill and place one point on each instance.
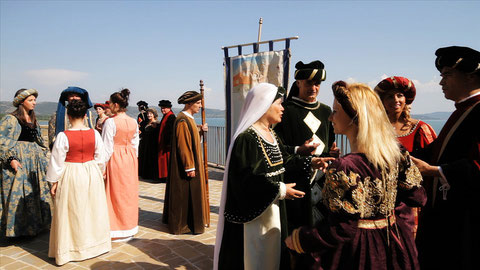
(48, 108)
(432, 116)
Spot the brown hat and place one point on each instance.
(189, 96)
(396, 83)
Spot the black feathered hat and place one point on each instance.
(462, 58)
(314, 71)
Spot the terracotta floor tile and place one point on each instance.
(152, 248)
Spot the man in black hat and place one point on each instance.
(449, 231)
(59, 121)
(305, 130)
(142, 116)
(186, 201)
(165, 138)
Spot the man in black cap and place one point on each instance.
(449, 231)
(186, 200)
(59, 121)
(165, 138)
(142, 116)
(305, 130)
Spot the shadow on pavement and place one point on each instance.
(176, 252)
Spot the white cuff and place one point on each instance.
(283, 191)
(189, 170)
(441, 173)
(296, 149)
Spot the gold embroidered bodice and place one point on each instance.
(366, 195)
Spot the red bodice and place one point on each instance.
(81, 145)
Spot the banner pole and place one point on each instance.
(205, 156)
(260, 29)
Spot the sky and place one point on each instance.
(160, 49)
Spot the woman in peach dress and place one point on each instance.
(120, 136)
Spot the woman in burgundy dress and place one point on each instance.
(397, 95)
(362, 190)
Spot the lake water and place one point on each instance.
(437, 125)
(220, 122)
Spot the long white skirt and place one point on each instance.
(80, 226)
(262, 240)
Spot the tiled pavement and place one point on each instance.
(152, 248)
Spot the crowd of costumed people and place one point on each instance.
(402, 198)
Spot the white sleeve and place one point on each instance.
(108, 132)
(99, 151)
(136, 141)
(56, 165)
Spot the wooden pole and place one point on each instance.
(260, 29)
(205, 156)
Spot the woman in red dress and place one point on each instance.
(397, 95)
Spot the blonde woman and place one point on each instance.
(361, 191)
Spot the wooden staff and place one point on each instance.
(205, 157)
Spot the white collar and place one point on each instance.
(188, 114)
(304, 101)
(476, 94)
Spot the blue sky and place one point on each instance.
(159, 49)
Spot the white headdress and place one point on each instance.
(258, 101)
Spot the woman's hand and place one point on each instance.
(15, 165)
(321, 163)
(293, 193)
(53, 189)
(289, 242)
(425, 168)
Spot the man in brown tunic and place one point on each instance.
(186, 200)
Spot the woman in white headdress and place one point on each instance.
(252, 220)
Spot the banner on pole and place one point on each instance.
(242, 72)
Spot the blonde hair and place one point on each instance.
(376, 137)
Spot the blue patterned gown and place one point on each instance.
(25, 198)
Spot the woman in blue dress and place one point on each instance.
(25, 198)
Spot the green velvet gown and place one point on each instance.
(256, 170)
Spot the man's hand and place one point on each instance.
(203, 127)
(191, 174)
(307, 148)
(334, 150)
